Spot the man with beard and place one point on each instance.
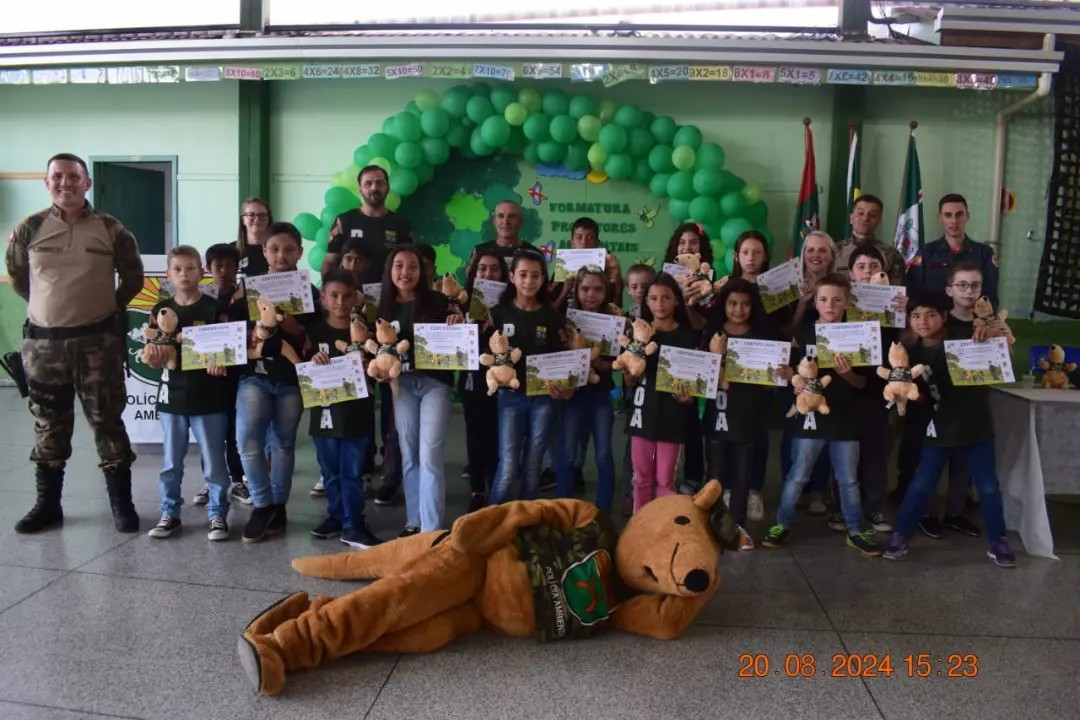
(372, 224)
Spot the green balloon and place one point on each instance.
(641, 142)
(563, 129)
(710, 156)
(436, 151)
(728, 181)
(515, 114)
(682, 157)
(732, 204)
(679, 210)
(339, 199)
(435, 122)
(413, 109)
(495, 131)
(531, 154)
(530, 99)
(658, 185)
(408, 127)
(550, 152)
(707, 182)
(455, 101)
(647, 120)
(427, 99)
(597, 156)
(315, 259)
(424, 173)
(704, 209)
(642, 172)
(660, 159)
(663, 129)
(580, 106)
(457, 136)
(477, 143)
(328, 216)
(733, 228)
(361, 156)
(688, 135)
(405, 182)
(307, 224)
(501, 97)
(537, 127)
(588, 126)
(607, 111)
(322, 236)
(752, 194)
(555, 102)
(576, 157)
(479, 109)
(629, 116)
(393, 201)
(614, 138)
(389, 126)
(381, 162)
(381, 145)
(729, 261)
(342, 179)
(516, 144)
(737, 183)
(408, 154)
(681, 186)
(758, 213)
(619, 166)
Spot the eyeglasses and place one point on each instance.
(256, 216)
(964, 287)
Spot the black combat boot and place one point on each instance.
(46, 512)
(118, 482)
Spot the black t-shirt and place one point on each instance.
(254, 261)
(376, 236)
(352, 419)
(403, 315)
(534, 332)
(192, 392)
(841, 423)
(657, 416)
(739, 414)
(958, 329)
(960, 415)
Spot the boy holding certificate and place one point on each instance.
(961, 425)
(191, 401)
(836, 431)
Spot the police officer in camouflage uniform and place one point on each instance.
(62, 261)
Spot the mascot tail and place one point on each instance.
(370, 564)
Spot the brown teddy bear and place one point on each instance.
(358, 332)
(500, 363)
(388, 352)
(1055, 369)
(811, 390)
(696, 277)
(165, 334)
(551, 569)
(266, 327)
(637, 348)
(990, 324)
(448, 286)
(879, 279)
(718, 345)
(576, 341)
(900, 384)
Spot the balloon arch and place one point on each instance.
(553, 128)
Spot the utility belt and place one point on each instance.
(33, 332)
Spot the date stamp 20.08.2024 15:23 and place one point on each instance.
(860, 665)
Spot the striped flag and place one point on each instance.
(910, 235)
(854, 176)
(806, 214)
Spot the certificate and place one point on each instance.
(859, 342)
(289, 291)
(341, 380)
(372, 292)
(568, 369)
(485, 295)
(756, 362)
(978, 363)
(439, 346)
(875, 302)
(569, 260)
(780, 286)
(600, 330)
(695, 371)
(218, 344)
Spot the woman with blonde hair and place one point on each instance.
(255, 218)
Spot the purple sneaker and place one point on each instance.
(897, 547)
(1000, 553)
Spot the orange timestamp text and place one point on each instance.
(860, 665)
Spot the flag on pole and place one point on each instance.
(806, 214)
(909, 223)
(854, 176)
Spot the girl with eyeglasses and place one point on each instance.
(255, 219)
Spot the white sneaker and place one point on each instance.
(166, 526)
(202, 497)
(755, 507)
(878, 522)
(219, 530)
(319, 490)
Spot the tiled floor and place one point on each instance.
(95, 624)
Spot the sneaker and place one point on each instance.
(962, 525)
(409, 531)
(219, 529)
(166, 526)
(865, 543)
(255, 530)
(878, 522)
(777, 536)
(1001, 554)
(727, 498)
(837, 522)
(202, 497)
(359, 537)
(328, 528)
(386, 494)
(897, 547)
(931, 527)
(746, 542)
(477, 501)
(816, 507)
(466, 473)
(755, 507)
(547, 480)
(319, 490)
(277, 523)
(241, 493)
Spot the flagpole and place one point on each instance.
(848, 189)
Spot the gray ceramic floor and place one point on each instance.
(94, 624)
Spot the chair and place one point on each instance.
(1041, 352)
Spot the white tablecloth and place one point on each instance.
(1036, 432)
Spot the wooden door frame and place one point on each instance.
(171, 160)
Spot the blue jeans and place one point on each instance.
(819, 477)
(341, 462)
(524, 424)
(210, 433)
(844, 455)
(421, 414)
(588, 412)
(980, 460)
(267, 415)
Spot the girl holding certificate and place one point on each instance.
(422, 405)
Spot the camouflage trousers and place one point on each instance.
(91, 367)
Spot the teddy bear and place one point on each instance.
(1055, 369)
(500, 363)
(266, 327)
(358, 332)
(990, 323)
(549, 569)
(448, 286)
(697, 276)
(900, 384)
(165, 334)
(637, 348)
(810, 390)
(576, 341)
(879, 279)
(718, 345)
(388, 352)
